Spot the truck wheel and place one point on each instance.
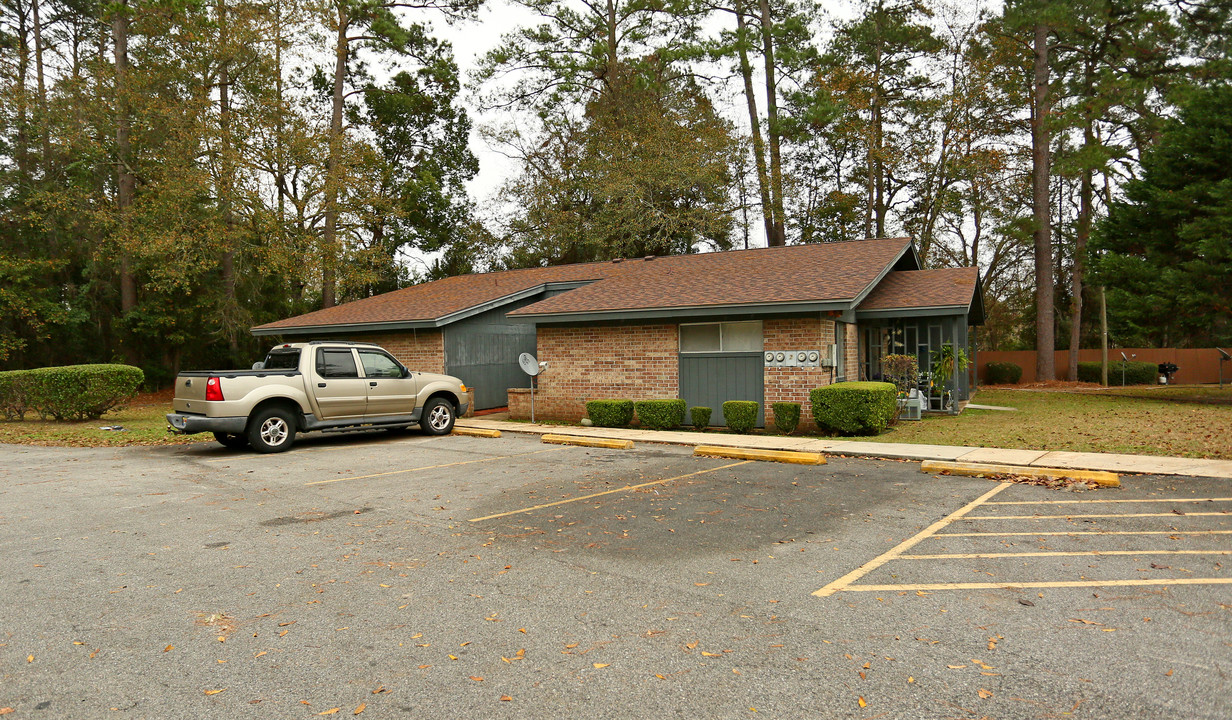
(271, 430)
(229, 440)
(438, 417)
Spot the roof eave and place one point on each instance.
(929, 311)
(423, 324)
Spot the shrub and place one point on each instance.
(741, 415)
(786, 416)
(700, 416)
(1003, 373)
(855, 408)
(13, 402)
(1136, 372)
(902, 370)
(660, 414)
(610, 413)
(81, 392)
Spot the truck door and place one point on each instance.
(391, 390)
(340, 391)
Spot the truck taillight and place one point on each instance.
(213, 389)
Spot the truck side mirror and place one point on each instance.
(258, 365)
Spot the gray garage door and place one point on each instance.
(710, 379)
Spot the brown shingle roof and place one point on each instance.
(799, 273)
(434, 300)
(924, 288)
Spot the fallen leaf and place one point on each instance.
(1084, 622)
(910, 679)
(214, 692)
(360, 709)
(379, 689)
(710, 654)
(660, 676)
(985, 693)
(453, 657)
(570, 646)
(862, 703)
(1028, 603)
(263, 652)
(424, 667)
(506, 698)
(867, 665)
(29, 658)
(330, 711)
(691, 645)
(601, 665)
(6, 710)
(476, 678)
(1168, 674)
(169, 648)
(284, 632)
(956, 667)
(78, 642)
(222, 638)
(521, 630)
(701, 584)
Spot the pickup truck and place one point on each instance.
(330, 386)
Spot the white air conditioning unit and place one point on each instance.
(829, 355)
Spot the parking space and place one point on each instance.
(405, 576)
(1106, 539)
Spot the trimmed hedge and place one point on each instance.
(660, 414)
(1136, 372)
(700, 416)
(786, 416)
(855, 408)
(1003, 373)
(610, 413)
(13, 401)
(71, 392)
(741, 415)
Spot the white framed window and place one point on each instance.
(744, 336)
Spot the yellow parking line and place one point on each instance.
(1090, 532)
(431, 467)
(626, 488)
(1033, 585)
(846, 580)
(1095, 515)
(972, 556)
(1100, 502)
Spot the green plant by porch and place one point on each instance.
(855, 408)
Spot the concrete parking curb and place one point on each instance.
(588, 442)
(476, 432)
(1106, 479)
(783, 456)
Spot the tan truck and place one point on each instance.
(330, 386)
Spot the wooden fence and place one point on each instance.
(1199, 365)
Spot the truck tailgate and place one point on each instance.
(190, 389)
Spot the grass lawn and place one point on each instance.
(1186, 421)
(144, 421)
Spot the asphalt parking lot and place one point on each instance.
(395, 575)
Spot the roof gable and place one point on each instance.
(926, 289)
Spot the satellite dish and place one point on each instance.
(529, 364)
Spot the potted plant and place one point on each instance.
(946, 361)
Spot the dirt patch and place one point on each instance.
(162, 397)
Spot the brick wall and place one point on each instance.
(419, 350)
(792, 384)
(636, 362)
(852, 351)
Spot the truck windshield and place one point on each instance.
(284, 360)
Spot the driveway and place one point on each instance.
(405, 576)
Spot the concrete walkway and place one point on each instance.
(1129, 464)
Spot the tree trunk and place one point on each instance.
(329, 254)
(1045, 343)
(226, 186)
(1085, 210)
(759, 146)
(773, 132)
(44, 136)
(125, 182)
